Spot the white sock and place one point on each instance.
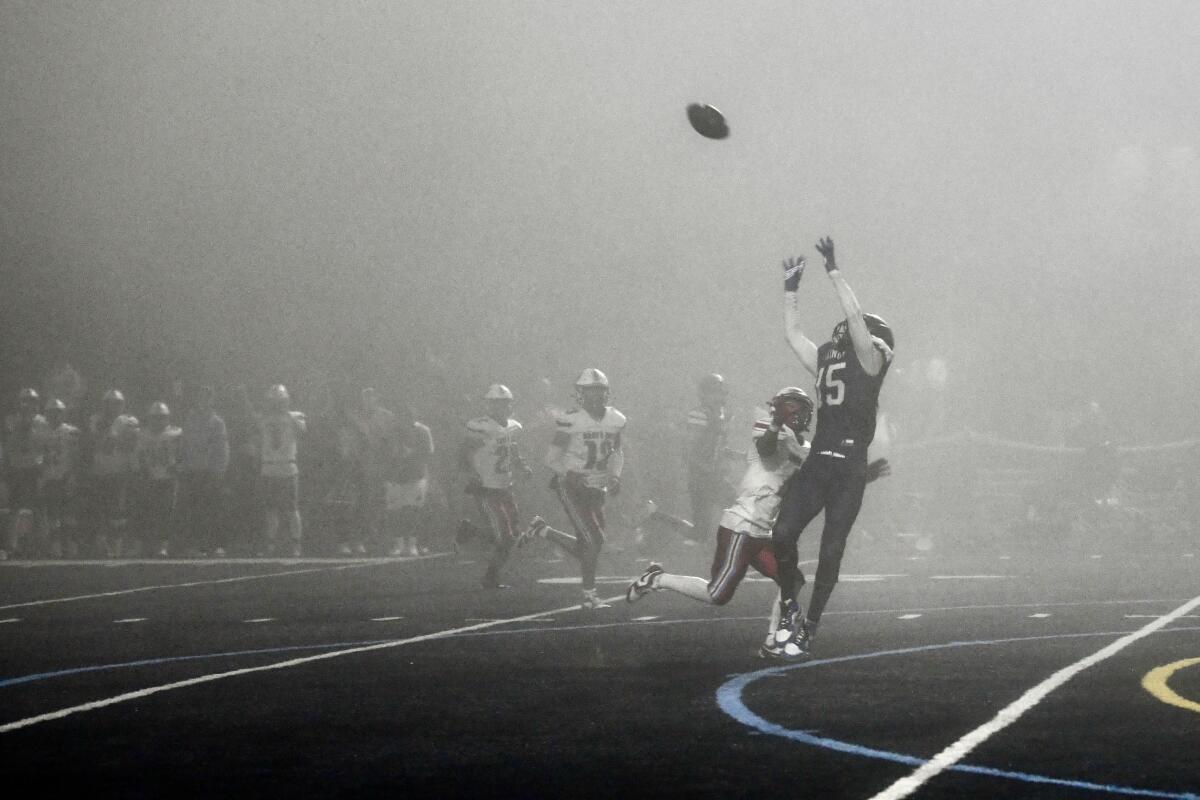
(687, 585)
(774, 624)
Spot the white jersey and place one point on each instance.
(157, 454)
(113, 444)
(758, 499)
(278, 443)
(62, 453)
(492, 460)
(592, 445)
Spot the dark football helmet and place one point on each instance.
(875, 324)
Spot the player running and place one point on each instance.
(491, 454)
(587, 459)
(744, 533)
(849, 371)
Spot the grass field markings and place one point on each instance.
(385, 619)
(1096, 555)
(128, 620)
(1005, 558)
(1155, 616)
(730, 700)
(259, 619)
(960, 749)
(1155, 682)
(188, 584)
(909, 616)
(279, 665)
(646, 618)
(1039, 615)
(10, 619)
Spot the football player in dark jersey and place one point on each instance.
(849, 371)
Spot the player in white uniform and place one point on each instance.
(25, 435)
(587, 460)
(156, 457)
(491, 453)
(58, 480)
(744, 534)
(112, 436)
(276, 444)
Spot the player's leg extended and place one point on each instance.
(572, 545)
(590, 502)
(840, 513)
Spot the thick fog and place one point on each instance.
(468, 192)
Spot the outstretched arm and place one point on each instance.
(868, 354)
(802, 346)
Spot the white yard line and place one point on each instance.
(294, 662)
(1013, 711)
(259, 576)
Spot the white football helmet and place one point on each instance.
(56, 405)
(591, 390)
(114, 396)
(278, 392)
(159, 410)
(498, 391)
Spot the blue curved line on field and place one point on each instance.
(729, 699)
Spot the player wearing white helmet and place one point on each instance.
(25, 435)
(111, 437)
(276, 444)
(156, 460)
(58, 480)
(491, 455)
(744, 533)
(587, 460)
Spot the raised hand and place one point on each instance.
(825, 248)
(793, 270)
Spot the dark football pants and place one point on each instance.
(827, 483)
(585, 508)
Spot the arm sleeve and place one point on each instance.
(801, 345)
(868, 355)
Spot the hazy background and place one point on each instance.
(500, 190)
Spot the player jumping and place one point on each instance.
(587, 459)
(849, 371)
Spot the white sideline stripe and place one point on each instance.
(10, 619)
(385, 619)
(127, 620)
(118, 592)
(294, 662)
(908, 616)
(970, 577)
(1042, 615)
(260, 619)
(1013, 711)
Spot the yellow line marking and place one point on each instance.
(1156, 679)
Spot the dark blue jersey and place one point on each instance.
(847, 401)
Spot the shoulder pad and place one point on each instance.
(614, 417)
(513, 425)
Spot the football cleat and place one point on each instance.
(789, 621)
(646, 583)
(591, 600)
(537, 527)
(770, 648)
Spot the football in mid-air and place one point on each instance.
(707, 121)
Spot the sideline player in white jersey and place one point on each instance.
(156, 459)
(491, 453)
(744, 533)
(276, 443)
(58, 480)
(587, 460)
(24, 448)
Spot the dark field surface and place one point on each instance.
(306, 678)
